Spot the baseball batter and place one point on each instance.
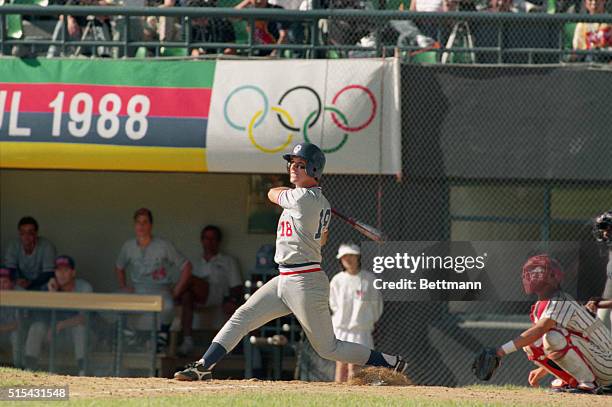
(302, 288)
(565, 339)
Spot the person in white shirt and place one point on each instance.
(356, 306)
(215, 282)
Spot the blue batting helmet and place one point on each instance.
(315, 159)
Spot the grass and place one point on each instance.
(267, 400)
(13, 377)
(476, 395)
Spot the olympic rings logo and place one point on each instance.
(285, 119)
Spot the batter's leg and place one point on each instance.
(263, 306)
(307, 296)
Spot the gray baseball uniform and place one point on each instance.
(151, 270)
(30, 267)
(38, 330)
(302, 288)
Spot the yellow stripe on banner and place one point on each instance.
(100, 157)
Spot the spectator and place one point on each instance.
(216, 282)
(267, 32)
(295, 31)
(68, 322)
(150, 261)
(137, 31)
(31, 255)
(204, 29)
(167, 28)
(594, 36)
(356, 306)
(501, 6)
(8, 317)
(79, 27)
(428, 6)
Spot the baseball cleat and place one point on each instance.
(400, 365)
(605, 389)
(559, 386)
(583, 388)
(193, 372)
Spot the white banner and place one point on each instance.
(350, 108)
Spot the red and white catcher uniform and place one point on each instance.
(578, 350)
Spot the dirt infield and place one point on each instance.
(128, 388)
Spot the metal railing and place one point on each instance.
(467, 37)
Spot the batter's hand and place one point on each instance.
(536, 375)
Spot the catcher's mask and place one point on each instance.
(541, 273)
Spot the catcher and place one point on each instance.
(565, 340)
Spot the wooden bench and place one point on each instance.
(90, 302)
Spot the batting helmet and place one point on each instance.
(602, 228)
(541, 273)
(315, 159)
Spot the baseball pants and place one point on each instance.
(307, 297)
(599, 360)
(38, 333)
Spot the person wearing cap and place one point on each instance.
(356, 306)
(69, 323)
(31, 255)
(9, 323)
(151, 264)
(215, 283)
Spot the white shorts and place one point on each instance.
(360, 337)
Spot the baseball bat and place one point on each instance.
(369, 231)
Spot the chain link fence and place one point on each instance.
(489, 154)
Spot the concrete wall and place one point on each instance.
(89, 214)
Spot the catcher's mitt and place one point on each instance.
(486, 363)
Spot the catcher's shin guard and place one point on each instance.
(535, 353)
(559, 348)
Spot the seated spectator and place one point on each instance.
(501, 6)
(83, 28)
(347, 31)
(267, 32)
(31, 255)
(295, 31)
(167, 28)
(216, 282)
(594, 36)
(204, 29)
(150, 262)
(8, 315)
(428, 6)
(69, 323)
